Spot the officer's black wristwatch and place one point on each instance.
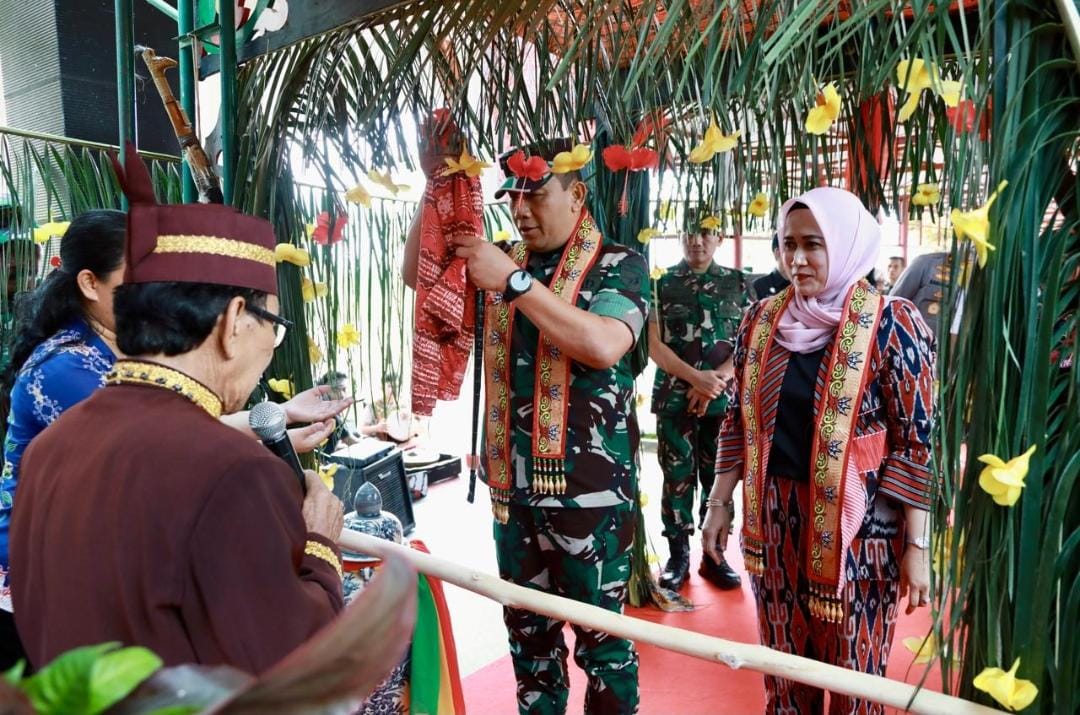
(517, 285)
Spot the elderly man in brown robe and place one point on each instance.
(142, 518)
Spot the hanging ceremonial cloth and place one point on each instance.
(837, 458)
(550, 405)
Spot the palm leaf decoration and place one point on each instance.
(593, 70)
(347, 101)
(47, 179)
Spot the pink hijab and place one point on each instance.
(852, 241)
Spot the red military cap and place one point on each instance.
(192, 243)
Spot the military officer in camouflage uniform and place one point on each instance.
(572, 539)
(696, 313)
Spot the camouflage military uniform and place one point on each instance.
(577, 544)
(694, 313)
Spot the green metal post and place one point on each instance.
(164, 7)
(185, 23)
(125, 77)
(227, 24)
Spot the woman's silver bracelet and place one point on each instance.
(710, 502)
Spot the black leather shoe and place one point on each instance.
(721, 576)
(677, 568)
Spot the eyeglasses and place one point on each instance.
(281, 325)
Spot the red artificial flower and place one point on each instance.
(616, 157)
(534, 168)
(653, 123)
(440, 115)
(643, 158)
(322, 234)
(54, 261)
(619, 158)
(962, 118)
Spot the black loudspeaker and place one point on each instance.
(387, 473)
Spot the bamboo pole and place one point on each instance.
(68, 141)
(731, 653)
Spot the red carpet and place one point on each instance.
(674, 684)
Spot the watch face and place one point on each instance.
(519, 281)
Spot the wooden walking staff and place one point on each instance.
(731, 653)
(202, 169)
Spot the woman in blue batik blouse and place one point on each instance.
(64, 345)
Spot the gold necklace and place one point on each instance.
(137, 372)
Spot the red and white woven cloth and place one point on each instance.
(445, 314)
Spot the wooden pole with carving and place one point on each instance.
(202, 170)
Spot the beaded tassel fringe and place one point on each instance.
(500, 505)
(753, 556)
(825, 606)
(549, 476)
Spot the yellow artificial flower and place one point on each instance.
(826, 110)
(326, 474)
(466, 163)
(384, 180)
(667, 210)
(914, 76)
(1006, 688)
(1004, 480)
(315, 355)
(829, 98)
(817, 121)
(657, 273)
(282, 387)
(44, 232)
(647, 234)
(643, 499)
(951, 91)
(358, 195)
(926, 650)
(714, 142)
(310, 291)
(348, 336)
(926, 195)
(975, 225)
(652, 558)
(711, 223)
(288, 253)
(567, 161)
(309, 229)
(500, 236)
(759, 206)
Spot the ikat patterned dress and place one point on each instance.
(899, 400)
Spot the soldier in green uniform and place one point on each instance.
(697, 309)
(564, 309)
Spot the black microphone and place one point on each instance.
(267, 421)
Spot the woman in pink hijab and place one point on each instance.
(830, 434)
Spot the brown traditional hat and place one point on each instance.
(192, 243)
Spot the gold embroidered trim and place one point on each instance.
(324, 552)
(215, 246)
(134, 372)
